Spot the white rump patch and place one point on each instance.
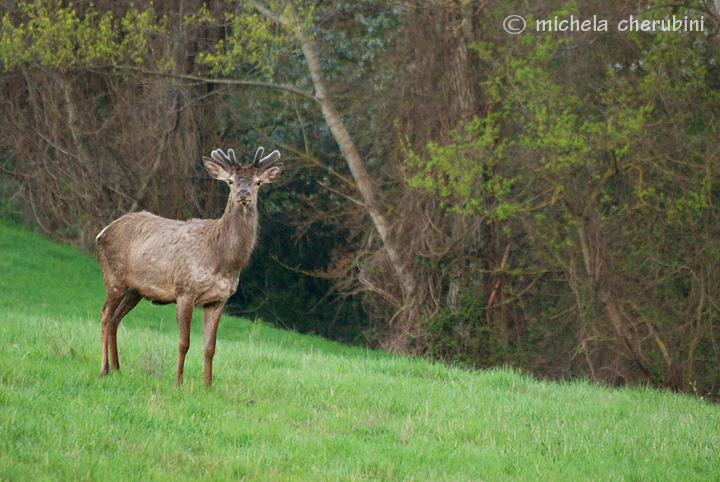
(101, 233)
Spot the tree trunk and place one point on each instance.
(365, 185)
(357, 168)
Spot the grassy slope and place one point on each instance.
(290, 407)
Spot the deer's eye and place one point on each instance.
(230, 182)
(258, 182)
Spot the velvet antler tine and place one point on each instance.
(233, 159)
(258, 154)
(219, 156)
(229, 160)
(268, 160)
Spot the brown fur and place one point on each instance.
(191, 263)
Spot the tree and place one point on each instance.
(366, 187)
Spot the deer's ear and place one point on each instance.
(216, 170)
(271, 173)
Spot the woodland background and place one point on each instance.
(543, 200)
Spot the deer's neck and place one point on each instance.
(236, 234)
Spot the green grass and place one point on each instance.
(291, 407)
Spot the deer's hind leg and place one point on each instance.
(112, 301)
(117, 305)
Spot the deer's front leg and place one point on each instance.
(211, 319)
(184, 317)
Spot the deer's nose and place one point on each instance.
(243, 196)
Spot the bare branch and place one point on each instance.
(341, 194)
(223, 81)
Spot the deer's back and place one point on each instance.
(159, 257)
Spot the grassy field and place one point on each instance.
(291, 407)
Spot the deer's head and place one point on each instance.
(244, 181)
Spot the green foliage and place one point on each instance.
(462, 173)
(137, 25)
(463, 338)
(55, 36)
(251, 43)
(596, 162)
(291, 407)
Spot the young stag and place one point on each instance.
(191, 263)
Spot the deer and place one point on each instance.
(194, 263)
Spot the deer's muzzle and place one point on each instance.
(244, 197)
